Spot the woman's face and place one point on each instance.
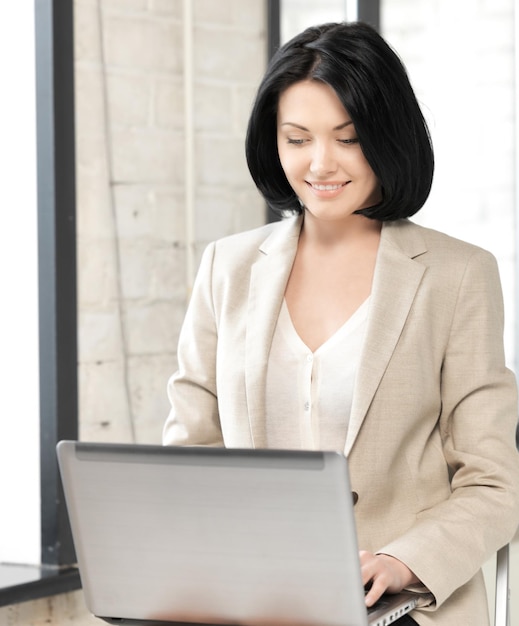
(320, 153)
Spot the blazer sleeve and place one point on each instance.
(194, 417)
(449, 542)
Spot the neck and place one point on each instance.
(353, 229)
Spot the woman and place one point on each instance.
(348, 327)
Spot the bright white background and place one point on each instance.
(19, 417)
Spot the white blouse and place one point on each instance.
(309, 394)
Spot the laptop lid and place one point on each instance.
(213, 535)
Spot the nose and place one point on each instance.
(323, 161)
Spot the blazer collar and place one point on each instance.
(395, 282)
(269, 277)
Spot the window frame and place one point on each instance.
(56, 205)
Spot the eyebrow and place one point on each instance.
(340, 127)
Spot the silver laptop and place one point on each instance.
(169, 535)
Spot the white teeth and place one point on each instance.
(326, 187)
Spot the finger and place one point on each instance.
(368, 566)
(378, 587)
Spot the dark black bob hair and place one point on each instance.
(372, 84)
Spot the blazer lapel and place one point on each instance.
(269, 277)
(396, 280)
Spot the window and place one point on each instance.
(36, 537)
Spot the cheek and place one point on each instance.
(365, 171)
(289, 163)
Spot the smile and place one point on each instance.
(327, 187)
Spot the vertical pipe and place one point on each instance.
(189, 145)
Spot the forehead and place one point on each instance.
(311, 100)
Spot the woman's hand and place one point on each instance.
(383, 573)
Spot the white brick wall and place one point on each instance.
(131, 188)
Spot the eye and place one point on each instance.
(348, 141)
(295, 142)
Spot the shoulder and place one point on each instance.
(432, 247)
(230, 259)
(253, 242)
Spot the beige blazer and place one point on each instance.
(431, 437)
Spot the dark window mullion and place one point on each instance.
(57, 264)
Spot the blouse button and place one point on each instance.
(307, 406)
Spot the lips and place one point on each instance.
(327, 186)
